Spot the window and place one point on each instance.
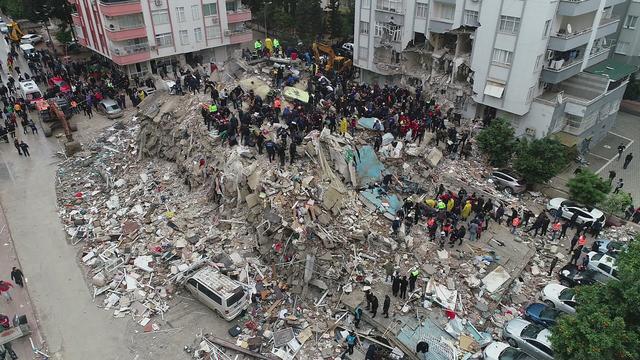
(547, 25)
(532, 91)
(160, 17)
(197, 33)
(363, 53)
(364, 27)
(184, 37)
(422, 10)
(389, 5)
(231, 6)
(195, 12)
(163, 40)
(471, 18)
(605, 268)
(509, 24)
(630, 22)
(180, 14)
(538, 63)
(379, 29)
(502, 56)
(210, 9)
(212, 32)
(622, 47)
(444, 11)
(237, 295)
(366, 4)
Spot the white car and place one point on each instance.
(348, 47)
(559, 297)
(529, 337)
(502, 351)
(3, 27)
(31, 39)
(603, 263)
(567, 208)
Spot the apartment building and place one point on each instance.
(544, 65)
(145, 36)
(628, 37)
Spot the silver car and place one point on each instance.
(509, 181)
(531, 338)
(110, 109)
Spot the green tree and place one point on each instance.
(616, 203)
(13, 8)
(606, 325)
(64, 36)
(539, 160)
(308, 16)
(335, 19)
(497, 142)
(588, 188)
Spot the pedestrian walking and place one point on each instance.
(5, 288)
(17, 276)
(619, 186)
(16, 144)
(385, 306)
(612, 175)
(554, 262)
(403, 287)
(627, 160)
(621, 148)
(25, 148)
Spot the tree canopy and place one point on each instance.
(539, 160)
(606, 325)
(497, 141)
(588, 188)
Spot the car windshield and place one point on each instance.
(616, 246)
(113, 107)
(568, 203)
(549, 313)
(531, 331)
(34, 95)
(512, 354)
(567, 294)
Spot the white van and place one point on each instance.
(218, 292)
(30, 92)
(27, 49)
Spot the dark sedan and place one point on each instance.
(570, 276)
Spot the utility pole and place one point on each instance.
(266, 6)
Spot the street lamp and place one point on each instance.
(266, 6)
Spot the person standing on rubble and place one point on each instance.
(545, 226)
(554, 262)
(386, 305)
(413, 277)
(351, 341)
(292, 152)
(556, 227)
(403, 287)
(473, 230)
(270, 146)
(282, 154)
(466, 210)
(357, 314)
(371, 353)
(395, 286)
(499, 214)
(374, 305)
(367, 296)
(515, 223)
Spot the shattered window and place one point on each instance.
(531, 331)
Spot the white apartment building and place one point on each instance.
(628, 37)
(146, 35)
(544, 64)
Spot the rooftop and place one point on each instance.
(612, 69)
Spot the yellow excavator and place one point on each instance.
(15, 33)
(340, 64)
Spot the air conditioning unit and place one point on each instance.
(158, 2)
(227, 33)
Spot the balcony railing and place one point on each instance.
(394, 6)
(562, 33)
(240, 36)
(119, 8)
(575, 62)
(126, 33)
(240, 15)
(130, 54)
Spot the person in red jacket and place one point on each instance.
(5, 286)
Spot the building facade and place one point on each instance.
(538, 64)
(628, 37)
(145, 36)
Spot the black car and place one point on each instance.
(570, 276)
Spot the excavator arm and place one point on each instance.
(325, 49)
(15, 33)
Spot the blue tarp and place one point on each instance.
(369, 168)
(367, 123)
(386, 203)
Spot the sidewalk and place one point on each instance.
(21, 303)
(603, 157)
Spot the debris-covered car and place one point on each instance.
(542, 314)
(531, 338)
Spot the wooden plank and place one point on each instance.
(234, 347)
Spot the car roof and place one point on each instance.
(216, 281)
(516, 326)
(510, 172)
(29, 36)
(536, 308)
(108, 102)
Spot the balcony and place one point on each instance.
(392, 6)
(581, 7)
(82, 41)
(76, 19)
(119, 8)
(241, 15)
(125, 55)
(239, 37)
(563, 41)
(556, 73)
(121, 33)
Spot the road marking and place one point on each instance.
(598, 156)
(624, 137)
(614, 157)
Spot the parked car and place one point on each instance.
(61, 84)
(502, 351)
(3, 27)
(603, 263)
(110, 109)
(31, 39)
(566, 208)
(560, 297)
(542, 314)
(609, 247)
(531, 338)
(570, 276)
(509, 181)
(218, 292)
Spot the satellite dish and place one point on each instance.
(569, 30)
(559, 97)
